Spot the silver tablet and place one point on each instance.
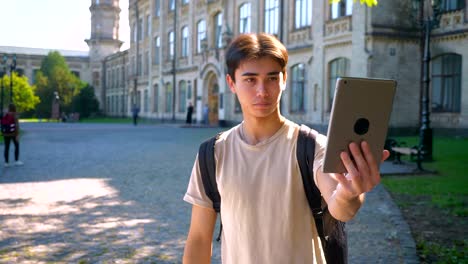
(361, 111)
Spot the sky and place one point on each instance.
(52, 24)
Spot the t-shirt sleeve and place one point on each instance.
(320, 144)
(195, 194)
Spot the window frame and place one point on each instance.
(298, 84)
(343, 66)
(185, 41)
(271, 20)
(245, 18)
(201, 34)
(450, 80)
(302, 14)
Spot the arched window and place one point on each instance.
(168, 98)
(156, 98)
(182, 96)
(446, 83)
(218, 26)
(201, 34)
(145, 101)
(336, 68)
(297, 88)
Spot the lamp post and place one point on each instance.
(427, 23)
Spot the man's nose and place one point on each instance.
(262, 89)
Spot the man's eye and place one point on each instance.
(249, 80)
(273, 78)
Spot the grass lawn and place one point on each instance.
(435, 206)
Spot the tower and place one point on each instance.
(104, 40)
(104, 29)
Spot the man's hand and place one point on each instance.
(363, 172)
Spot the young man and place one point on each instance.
(11, 133)
(264, 211)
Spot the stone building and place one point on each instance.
(177, 47)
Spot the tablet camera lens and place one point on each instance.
(361, 126)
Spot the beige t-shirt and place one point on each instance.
(264, 210)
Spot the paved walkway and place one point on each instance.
(113, 194)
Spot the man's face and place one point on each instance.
(259, 84)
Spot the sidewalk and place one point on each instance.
(114, 200)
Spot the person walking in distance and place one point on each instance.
(135, 111)
(264, 210)
(188, 120)
(10, 131)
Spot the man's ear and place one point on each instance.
(231, 84)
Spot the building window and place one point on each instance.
(337, 68)
(297, 88)
(168, 97)
(140, 29)
(303, 13)
(157, 47)
(218, 23)
(134, 66)
(446, 83)
(145, 101)
(157, 8)
(172, 5)
(148, 25)
(244, 18)
(96, 79)
(201, 35)
(271, 16)
(171, 45)
(182, 96)
(134, 29)
(156, 96)
(341, 9)
(147, 61)
(140, 65)
(185, 2)
(451, 5)
(185, 39)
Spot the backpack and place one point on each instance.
(8, 124)
(332, 232)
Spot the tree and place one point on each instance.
(367, 2)
(55, 76)
(86, 102)
(23, 94)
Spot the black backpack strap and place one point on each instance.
(207, 164)
(305, 153)
(331, 231)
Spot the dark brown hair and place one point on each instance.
(255, 46)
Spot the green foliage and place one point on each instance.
(55, 76)
(448, 190)
(455, 254)
(85, 102)
(23, 94)
(369, 3)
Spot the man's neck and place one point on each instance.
(256, 130)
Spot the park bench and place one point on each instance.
(398, 149)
